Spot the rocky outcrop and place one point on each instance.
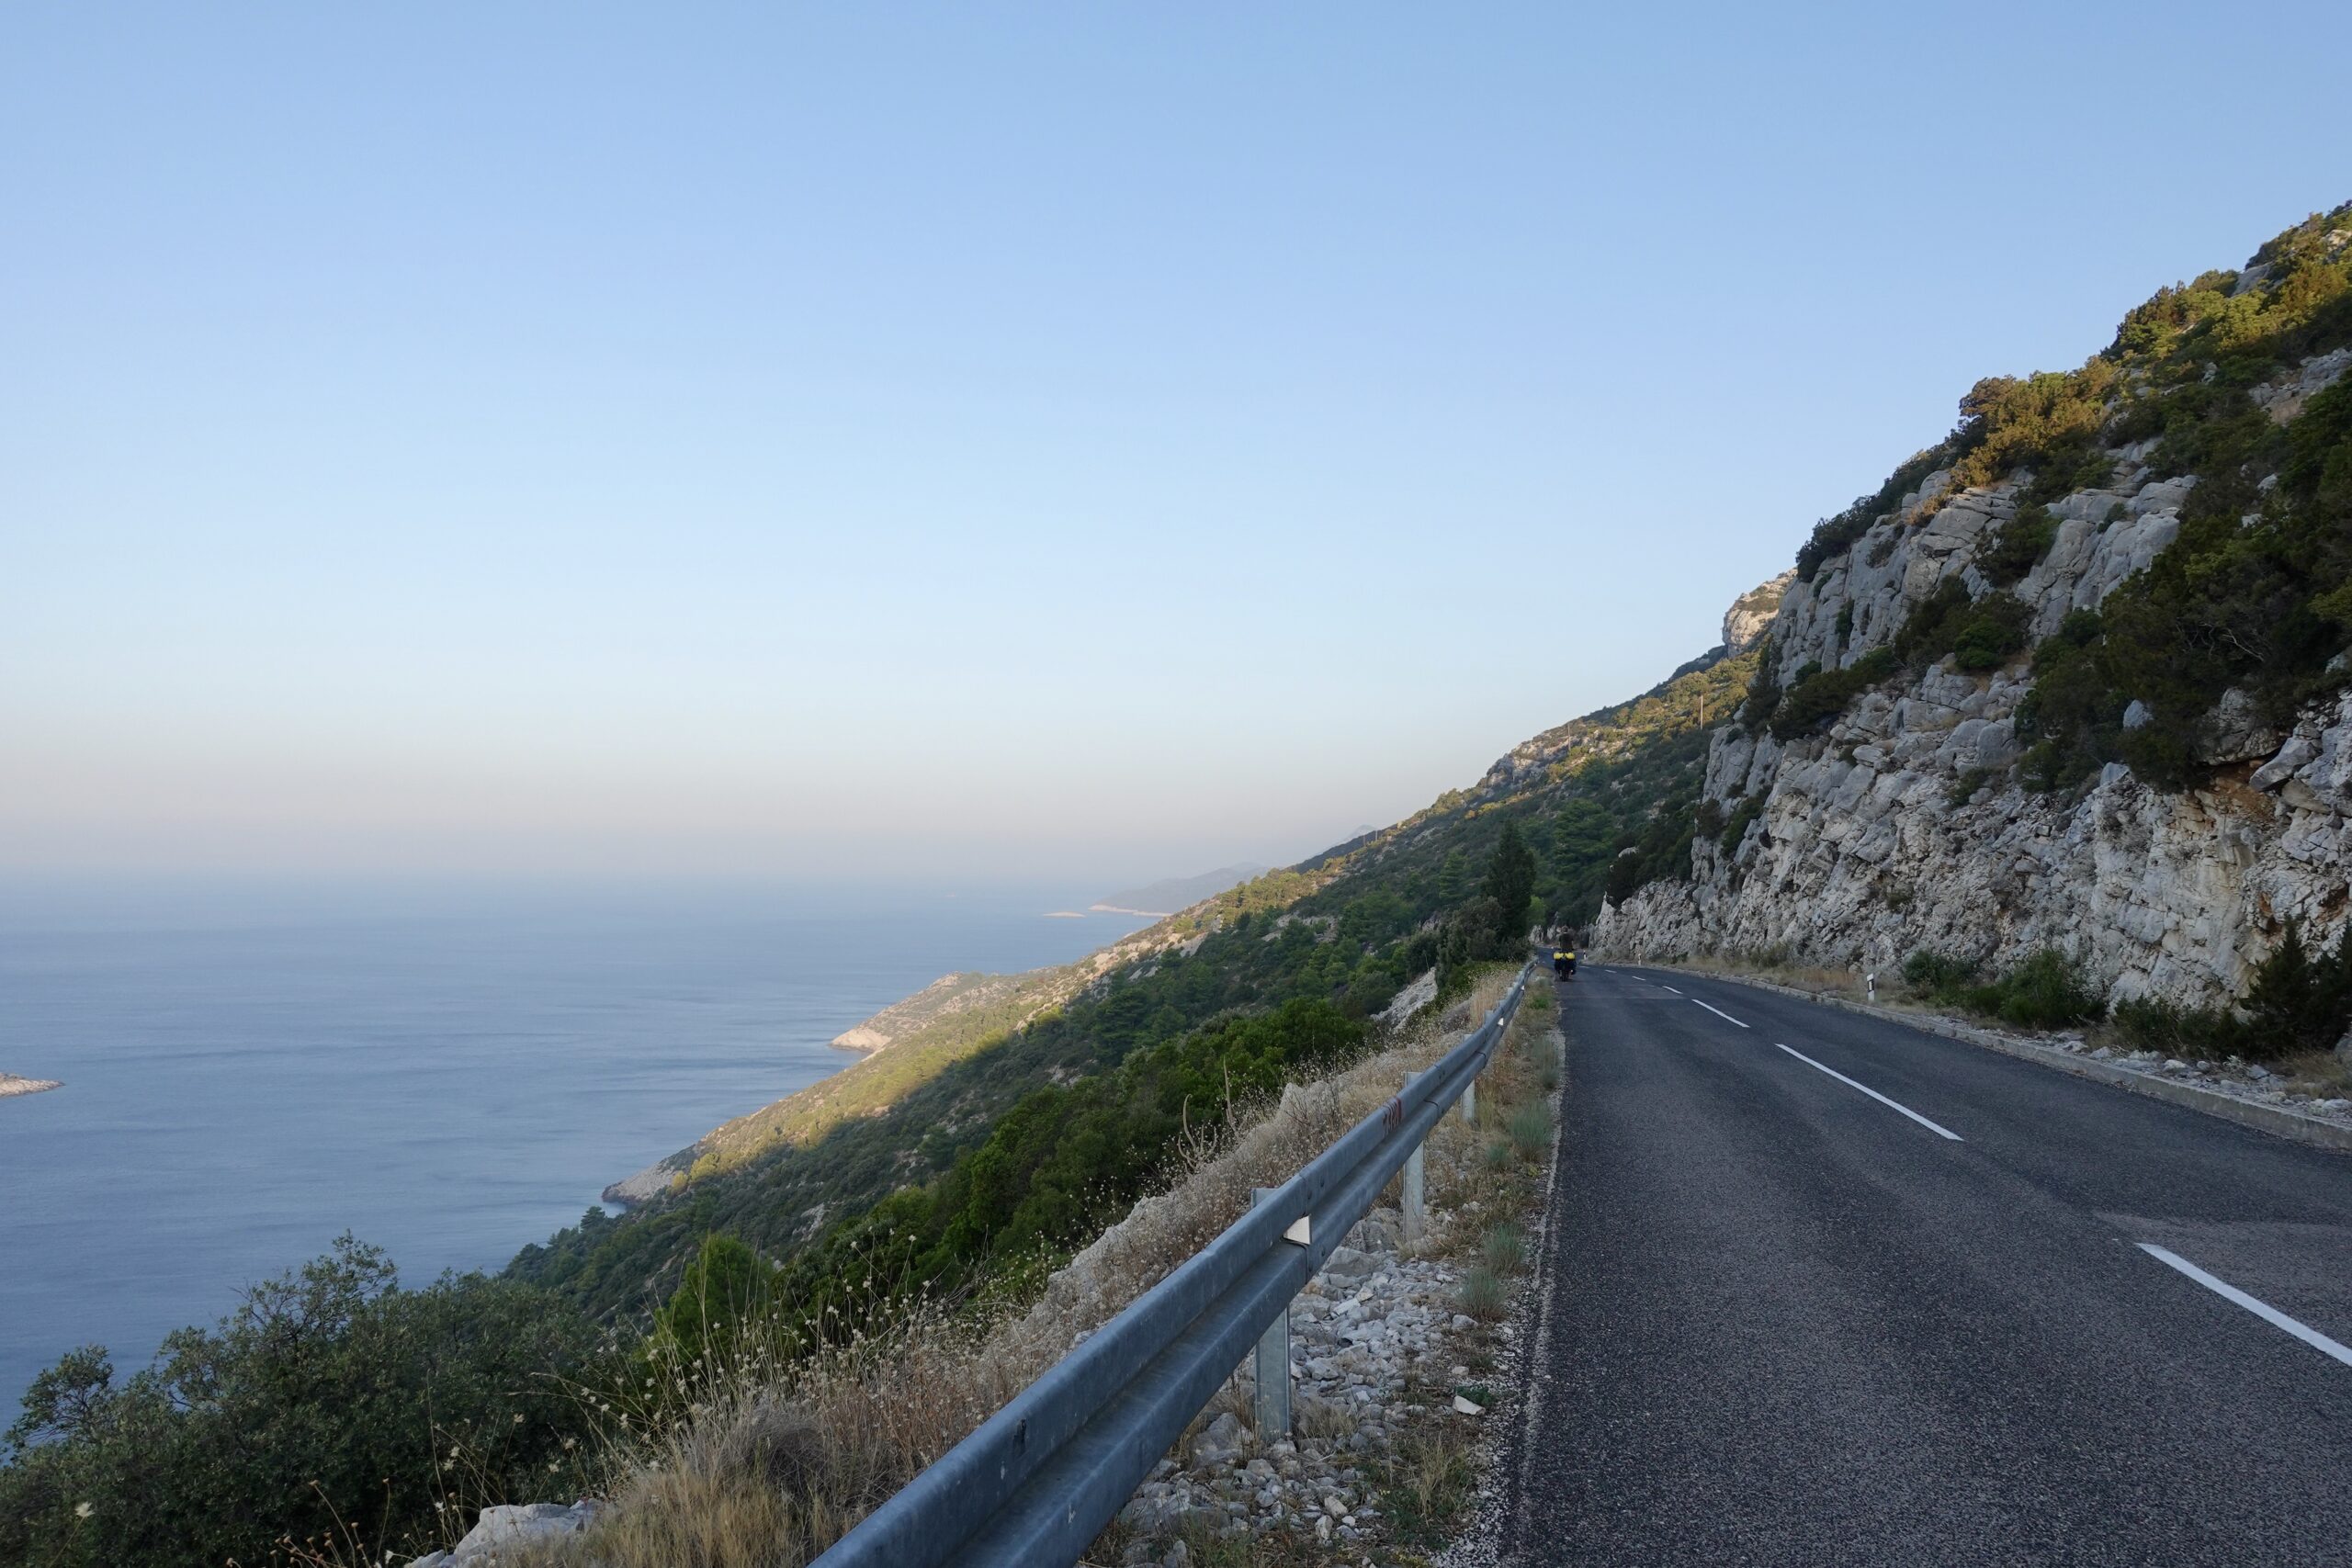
(11, 1084)
(1750, 615)
(511, 1530)
(1902, 827)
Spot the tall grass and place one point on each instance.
(751, 1455)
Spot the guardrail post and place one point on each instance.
(1470, 1103)
(1416, 1185)
(1271, 1408)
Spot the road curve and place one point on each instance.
(1821, 1289)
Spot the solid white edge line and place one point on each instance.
(1890, 1104)
(1717, 1011)
(2263, 1310)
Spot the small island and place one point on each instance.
(11, 1084)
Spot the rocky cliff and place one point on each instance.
(1870, 801)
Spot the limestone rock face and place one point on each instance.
(510, 1530)
(1750, 615)
(1902, 827)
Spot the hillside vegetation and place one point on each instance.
(1602, 803)
(2255, 592)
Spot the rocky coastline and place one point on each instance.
(10, 1084)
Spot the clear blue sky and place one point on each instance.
(1099, 439)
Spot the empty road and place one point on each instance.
(1819, 1289)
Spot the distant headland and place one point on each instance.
(11, 1084)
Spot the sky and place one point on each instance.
(1090, 440)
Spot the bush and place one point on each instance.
(330, 1393)
(2153, 1024)
(1530, 1129)
(1483, 1296)
(1992, 636)
(1763, 689)
(2019, 544)
(2047, 991)
(1735, 830)
(1506, 1248)
(1984, 634)
(2299, 1000)
(1938, 974)
(1820, 696)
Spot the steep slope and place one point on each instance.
(2074, 678)
(1350, 928)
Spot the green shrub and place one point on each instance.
(2299, 1000)
(1498, 1153)
(1991, 635)
(329, 1391)
(1530, 1129)
(2153, 1024)
(1763, 689)
(1483, 1295)
(2047, 991)
(1658, 849)
(1506, 1248)
(1735, 830)
(1938, 974)
(1984, 633)
(1820, 696)
(2019, 544)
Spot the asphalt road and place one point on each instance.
(1785, 1322)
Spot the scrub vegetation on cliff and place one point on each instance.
(2255, 594)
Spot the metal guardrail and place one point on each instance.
(1038, 1480)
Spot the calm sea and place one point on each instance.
(448, 1074)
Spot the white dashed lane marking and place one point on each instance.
(1890, 1104)
(2263, 1310)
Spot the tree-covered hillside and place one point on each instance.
(1603, 804)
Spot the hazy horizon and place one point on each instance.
(1089, 444)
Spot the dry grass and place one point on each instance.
(768, 1463)
(1809, 978)
(2322, 1074)
(1431, 1480)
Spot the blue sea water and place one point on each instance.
(446, 1072)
